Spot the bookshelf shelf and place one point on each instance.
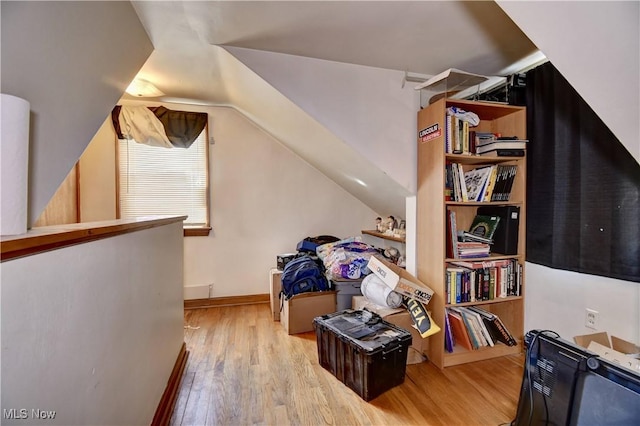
(486, 302)
(479, 159)
(464, 356)
(494, 256)
(432, 259)
(482, 203)
(383, 236)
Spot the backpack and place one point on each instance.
(302, 275)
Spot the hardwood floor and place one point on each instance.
(243, 369)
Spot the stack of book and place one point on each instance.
(474, 328)
(501, 146)
(474, 243)
(471, 249)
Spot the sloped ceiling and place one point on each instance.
(191, 63)
(424, 37)
(71, 61)
(596, 47)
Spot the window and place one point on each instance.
(165, 181)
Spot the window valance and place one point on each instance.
(181, 128)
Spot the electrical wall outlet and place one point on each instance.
(210, 291)
(591, 319)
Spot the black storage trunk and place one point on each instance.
(364, 352)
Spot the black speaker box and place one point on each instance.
(505, 239)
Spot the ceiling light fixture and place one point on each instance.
(143, 89)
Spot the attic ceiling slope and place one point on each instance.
(313, 142)
(424, 37)
(606, 73)
(367, 108)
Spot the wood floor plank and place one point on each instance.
(244, 369)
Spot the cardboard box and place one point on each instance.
(299, 311)
(275, 286)
(401, 318)
(618, 350)
(400, 280)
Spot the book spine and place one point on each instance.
(463, 184)
(473, 322)
(449, 341)
(485, 284)
(470, 330)
(457, 139)
(447, 132)
(510, 275)
(504, 281)
(472, 286)
(447, 182)
(453, 237)
(509, 186)
(492, 283)
(456, 182)
(505, 335)
(479, 275)
(491, 184)
(472, 141)
(447, 286)
(465, 137)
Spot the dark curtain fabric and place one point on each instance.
(115, 113)
(583, 186)
(182, 127)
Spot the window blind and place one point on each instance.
(164, 181)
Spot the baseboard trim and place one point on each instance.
(251, 299)
(168, 400)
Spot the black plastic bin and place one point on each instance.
(364, 352)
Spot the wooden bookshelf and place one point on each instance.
(431, 234)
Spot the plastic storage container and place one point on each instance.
(346, 290)
(363, 351)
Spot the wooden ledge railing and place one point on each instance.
(38, 240)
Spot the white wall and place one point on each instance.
(93, 331)
(557, 300)
(596, 47)
(318, 144)
(368, 108)
(264, 200)
(97, 176)
(72, 61)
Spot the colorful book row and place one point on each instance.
(481, 281)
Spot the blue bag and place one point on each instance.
(302, 275)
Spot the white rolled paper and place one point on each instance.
(14, 160)
(374, 289)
